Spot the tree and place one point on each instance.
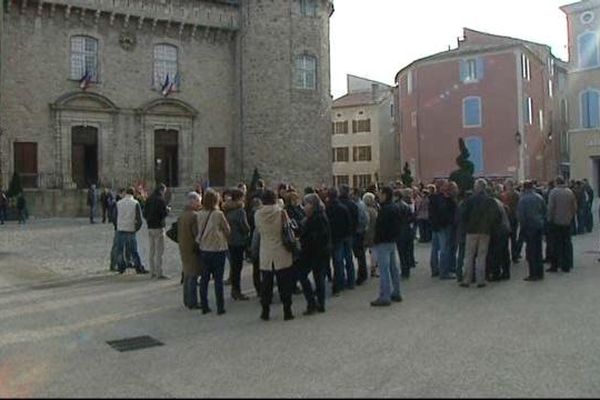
(463, 176)
(255, 178)
(406, 177)
(15, 188)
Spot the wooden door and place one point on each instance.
(216, 166)
(26, 163)
(166, 157)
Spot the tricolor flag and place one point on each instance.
(175, 84)
(166, 87)
(85, 80)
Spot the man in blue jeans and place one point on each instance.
(129, 222)
(387, 231)
(442, 211)
(341, 239)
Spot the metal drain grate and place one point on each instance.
(134, 343)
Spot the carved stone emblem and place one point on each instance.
(127, 41)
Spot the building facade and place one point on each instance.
(584, 89)
(364, 149)
(172, 91)
(499, 94)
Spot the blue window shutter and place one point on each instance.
(464, 71)
(475, 147)
(480, 68)
(472, 112)
(585, 110)
(594, 109)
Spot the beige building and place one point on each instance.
(584, 89)
(175, 91)
(364, 145)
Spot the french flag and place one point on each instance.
(85, 80)
(174, 86)
(166, 87)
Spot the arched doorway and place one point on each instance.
(166, 159)
(84, 156)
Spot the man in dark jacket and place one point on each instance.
(340, 219)
(532, 215)
(405, 240)
(442, 210)
(387, 231)
(481, 215)
(156, 212)
(106, 200)
(92, 202)
(358, 231)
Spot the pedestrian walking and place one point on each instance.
(129, 222)
(240, 230)
(531, 212)
(92, 202)
(213, 242)
(187, 232)
(562, 209)
(275, 260)
(387, 231)
(155, 212)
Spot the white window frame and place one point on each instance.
(303, 69)
(580, 59)
(163, 63)
(464, 111)
(83, 59)
(550, 88)
(541, 116)
(471, 65)
(525, 67)
(529, 110)
(409, 82)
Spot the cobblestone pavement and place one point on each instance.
(59, 306)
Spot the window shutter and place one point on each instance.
(464, 71)
(594, 109)
(480, 68)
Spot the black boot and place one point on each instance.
(287, 313)
(311, 309)
(265, 314)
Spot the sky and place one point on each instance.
(377, 38)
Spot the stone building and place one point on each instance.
(116, 92)
(501, 94)
(584, 89)
(364, 145)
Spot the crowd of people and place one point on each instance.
(345, 236)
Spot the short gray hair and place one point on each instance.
(193, 197)
(315, 201)
(369, 199)
(480, 185)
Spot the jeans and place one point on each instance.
(440, 249)
(236, 263)
(2, 215)
(92, 213)
(452, 248)
(214, 265)
(389, 274)
(318, 266)
(343, 265)
(581, 220)
(157, 249)
(127, 243)
(563, 245)
(533, 238)
(190, 291)
(358, 248)
(476, 255)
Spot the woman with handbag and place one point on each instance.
(187, 231)
(212, 241)
(275, 259)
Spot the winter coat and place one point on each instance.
(269, 225)
(481, 215)
(389, 223)
(238, 222)
(187, 230)
(562, 206)
(441, 211)
(156, 211)
(531, 211)
(354, 214)
(213, 231)
(370, 233)
(315, 237)
(340, 221)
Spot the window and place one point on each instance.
(308, 7)
(525, 67)
(361, 181)
(588, 50)
(541, 113)
(551, 66)
(550, 88)
(471, 70)
(590, 109)
(475, 146)
(340, 128)
(341, 154)
(409, 82)
(340, 180)
(165, 65)
(361, 153)
(529, 110)
(84, 58)
(361, 125)
(26, 165)
(306, 72)
(472, 112)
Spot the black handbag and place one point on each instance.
(287, 234)
(172, 232)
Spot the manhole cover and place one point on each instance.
(134, 343)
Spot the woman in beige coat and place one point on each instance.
(275, 259)
(187, 230)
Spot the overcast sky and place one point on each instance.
(377, 38)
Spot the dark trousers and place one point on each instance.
(127, 251)
(256, 275)
(424, 230)
(2, 215)
(104, 214)
(358, 248)
(533, 238)
(236, 261)
(23, 215)
(589, 218)
(92, 213)
(513, 236)
(318, 266)
(405, 246)
(190, 291)
(498, 258)
(285, 285)
(563, 245)
(581, 220)
(214, 265)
